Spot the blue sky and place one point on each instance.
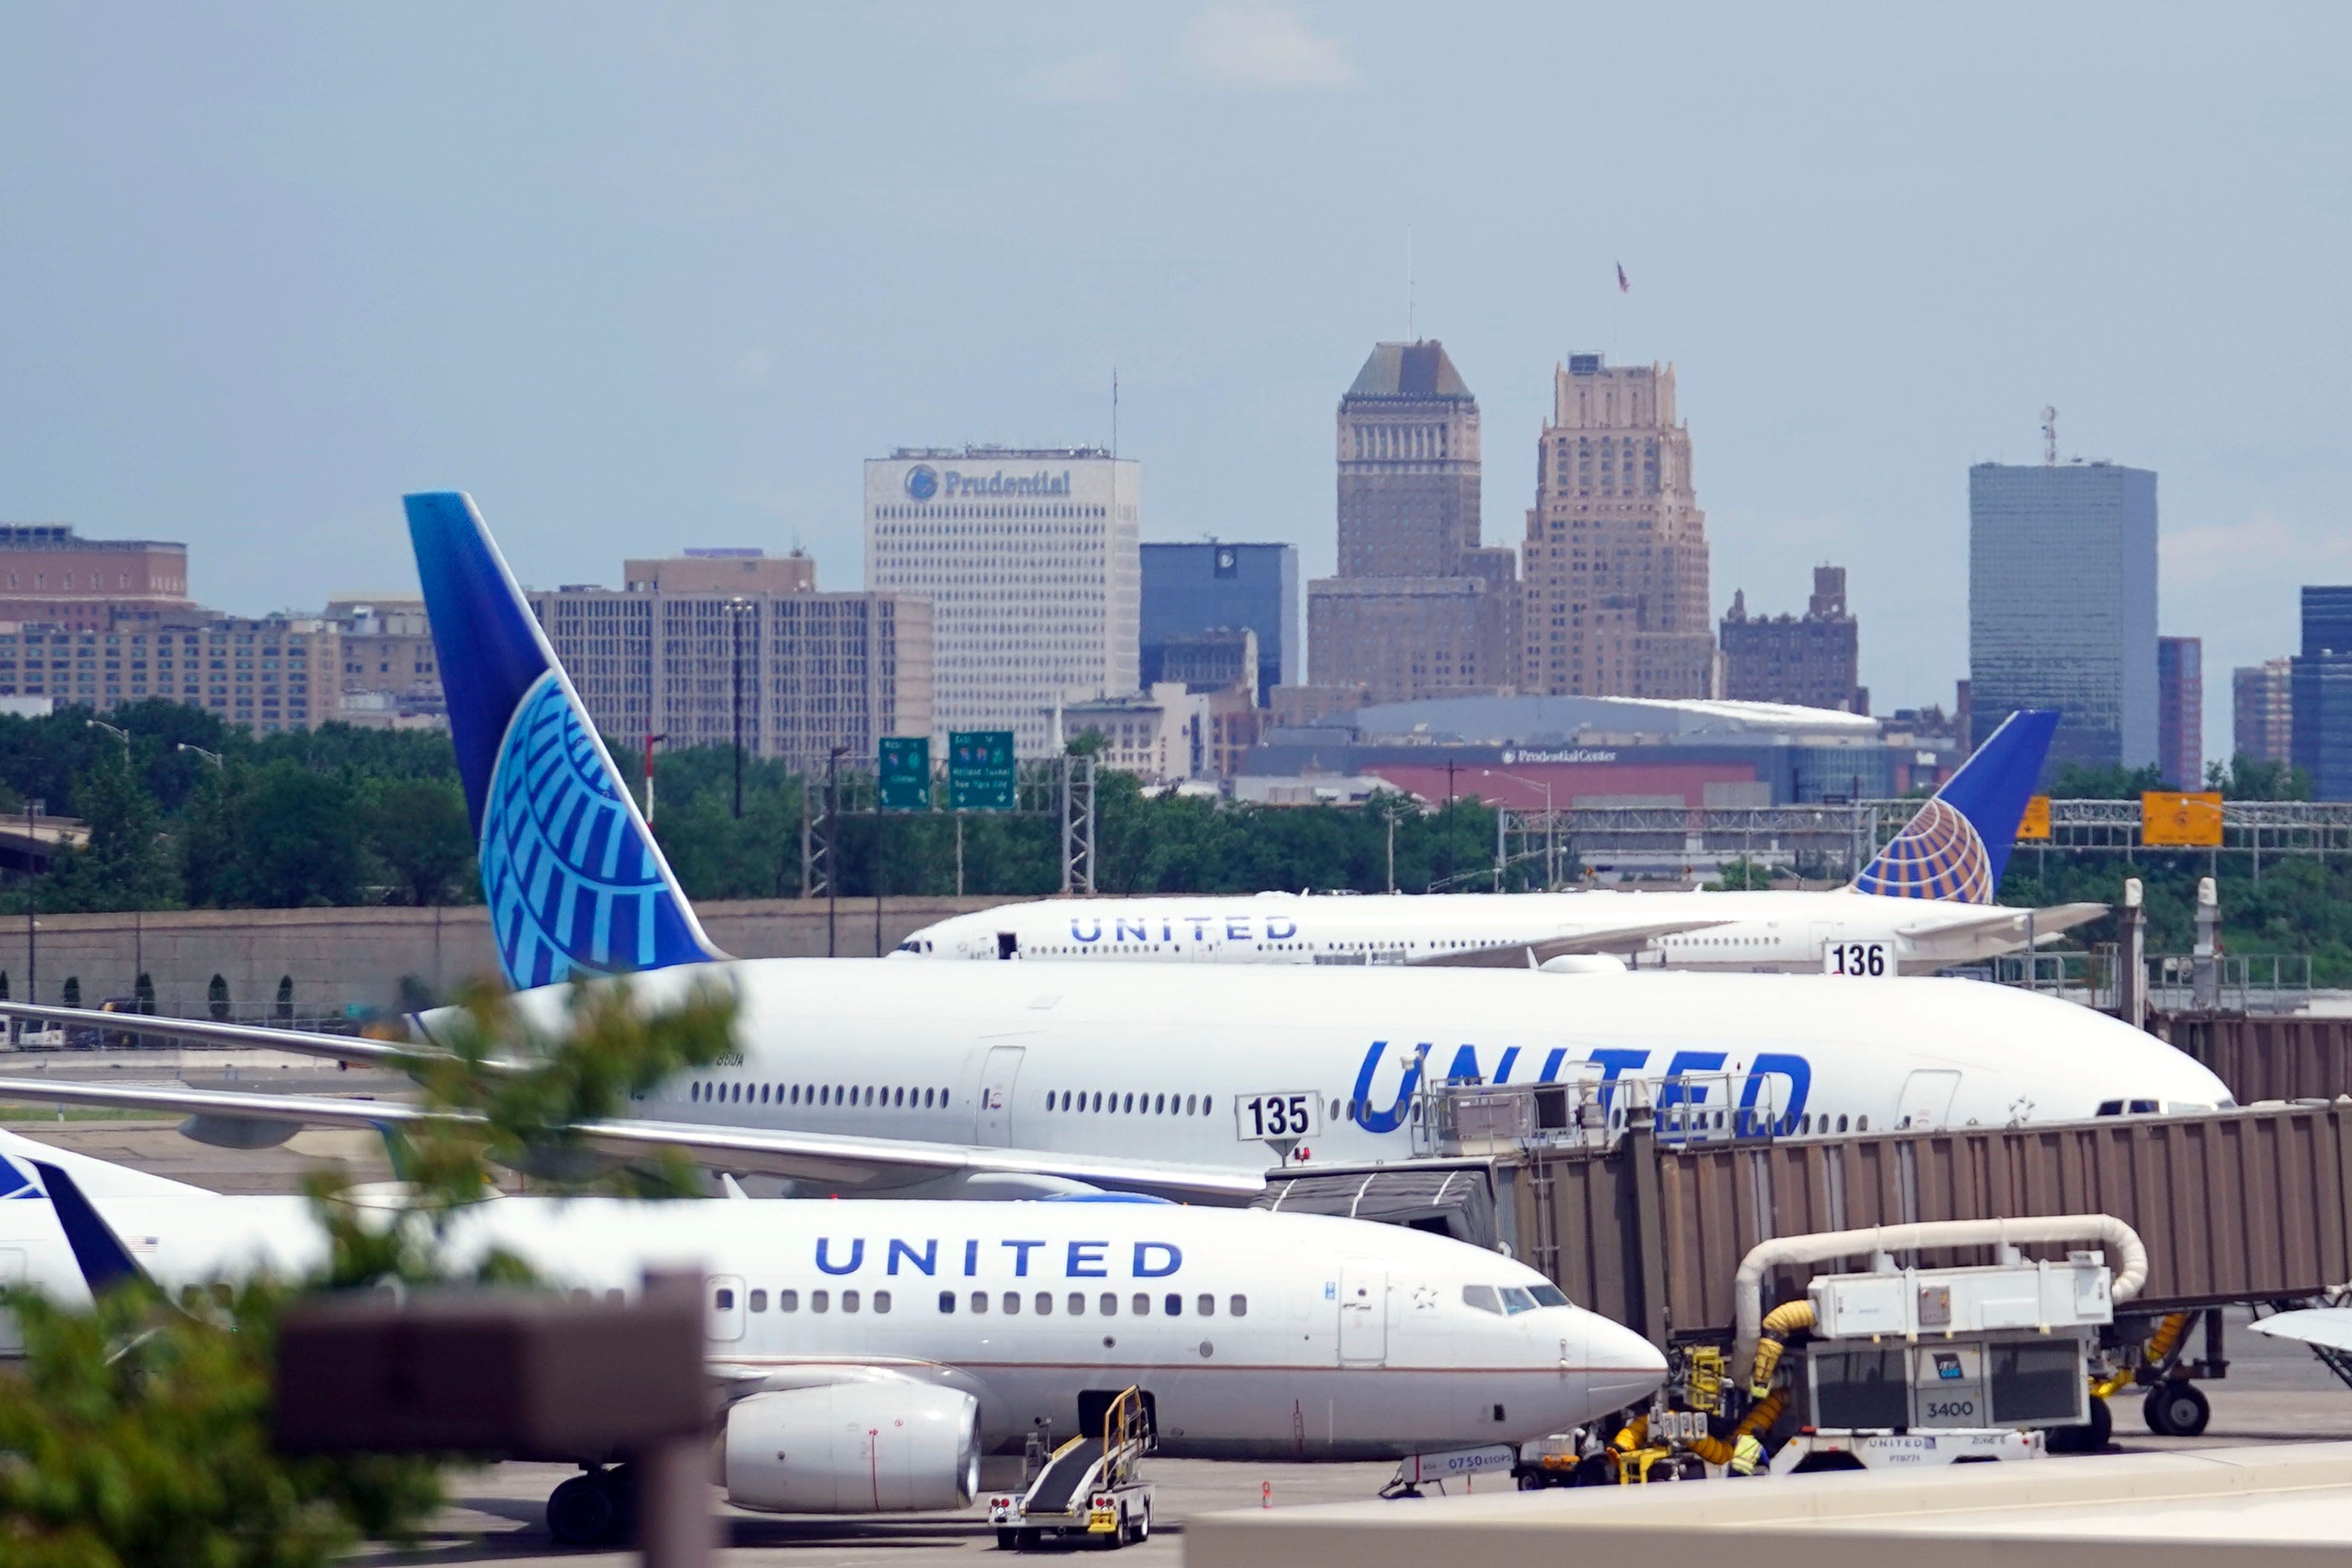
(648, 278)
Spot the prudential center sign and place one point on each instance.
(926, 483)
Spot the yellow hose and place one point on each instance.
(2166, 1337)
(1759, 1418)
(1779, 1323)
(1635, 1432)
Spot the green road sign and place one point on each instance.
(904, 769)
(979, 770)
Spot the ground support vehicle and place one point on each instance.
(1089, 1490)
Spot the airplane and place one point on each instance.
(888, 1346)
(1002, 1080)
(1922, 904)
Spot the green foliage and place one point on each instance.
(1742, 875)
(2245, 778)
(139, 1435)
(2299, 904)
(418, 831)
(2108, 781)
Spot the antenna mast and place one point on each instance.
(2049, 436)
(1408, 287)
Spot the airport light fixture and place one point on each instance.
(1552, 829)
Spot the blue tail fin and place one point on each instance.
(1959, 844)
(574, 881)
(104, 1261)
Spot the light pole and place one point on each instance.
(737, 608)
(832, 840)
(212, 757)
(652, 741)
(1552, 850)
(121, 734)
(32, 904)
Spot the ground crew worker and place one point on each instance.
(1747, 1456)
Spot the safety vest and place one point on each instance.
(1747, 1456)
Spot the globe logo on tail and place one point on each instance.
(1938, 854)
(569, 883)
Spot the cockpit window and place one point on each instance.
(1517, 1300)
(1485, 1298)
(1548, 1295)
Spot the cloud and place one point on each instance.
(1096, 77)
(1240, 43)
(754, 368)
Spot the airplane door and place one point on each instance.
(992, 1123)
(1927, 1097)
(725, 1293)
(1363, 1313)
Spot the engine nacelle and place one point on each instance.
(885, 1447)
(1584, 963)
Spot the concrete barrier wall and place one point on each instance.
(358, 957)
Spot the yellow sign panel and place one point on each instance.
(2035, 823)
(2179, 821)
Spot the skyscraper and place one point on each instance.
(2321, 683)
(1189, 589)
(1811, 661)
(2062, 607)
(1030, 561)
(2262, 710)
(1613, 587)
(1418, 607)
(2180, 711)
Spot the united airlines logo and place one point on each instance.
(16, 1182)
(1938, 854)
(923, 481)
(569, 883)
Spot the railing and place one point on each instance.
(1590, 1111)
(2231, 982)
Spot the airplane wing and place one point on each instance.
(208, 1032)
(1632, 937)
(2047, 922)
(2329, 1328)
(869, 1166)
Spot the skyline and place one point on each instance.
(645, 283)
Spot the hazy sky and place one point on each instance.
(642, 278)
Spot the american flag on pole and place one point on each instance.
(1622, 286)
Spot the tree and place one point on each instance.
(2246, 778)
(127, 863)
(418, 829)
(2105, 781)
(275, 836)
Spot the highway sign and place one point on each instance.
(979, 770)
(2179, 821)
(2035, 823)
(904, 768)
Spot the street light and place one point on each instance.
(1551, 849)
(737, 608)
(121, 735)
(212, 757)
(651, 742)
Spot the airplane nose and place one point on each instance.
(1624, 1367)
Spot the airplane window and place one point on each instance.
(1097, 1103)
(2110, 1108)
(1045, 1303)
(1862, 1124)
(1805, 1123)
(694, 1091)
(870, 1092)
(980, 1300)
(849, 1300)
(1238, 1306)
(819, 1302)
(927, 1099)
(1130, 1106)
(1159, 1105)
(759, 1300)
(1485, 1298)
(1140, 1305)
(1077, 1304)
(1189, 1100)
(1173, 1304)
(1841, 1126)
(2143, 1107)
(1517, 1299)
(1012, 1303)
(1548, 1295)
(1335, 1110)
(1107, 1304)
(947, 1302)
(881, 1301)
(788, 1300)
(723, 1298)
(1204, 1105)
(795, 1094)
(823, 1096)
(763, 1094)
(1206, 1307)
(900, 1097)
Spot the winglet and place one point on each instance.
(1958, 844)
(104, 1261)
(575, 883)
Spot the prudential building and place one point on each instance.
(1031, 561)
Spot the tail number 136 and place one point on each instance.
(1284, 1115)
(1857, 960)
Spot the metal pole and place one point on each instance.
(735, 648)
(879, 871)
(832, 845)
(958, 819)
(1391, 814)
(32, 904)
(1501, 849)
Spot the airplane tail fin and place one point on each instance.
(1959, 844)
(98, 1252)
(575, 884)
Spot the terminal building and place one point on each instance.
(1605, 752)
(1030, 560)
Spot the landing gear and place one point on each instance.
(2177, 1408)
(596, 1508)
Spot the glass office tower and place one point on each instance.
(2062, 607)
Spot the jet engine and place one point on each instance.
(883, 1447)
(1584, 963)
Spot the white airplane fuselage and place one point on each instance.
(1257, 1336)
(1162, 1063)
(1761, 931)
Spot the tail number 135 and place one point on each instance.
(1283, 1115)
